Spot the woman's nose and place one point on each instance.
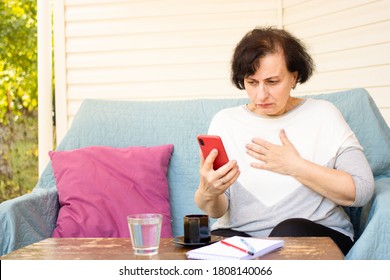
(262, 92)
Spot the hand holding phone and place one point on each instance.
(209, 142)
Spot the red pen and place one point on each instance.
(236, 247)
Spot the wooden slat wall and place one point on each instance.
(154, 49)
(181, 49)
(350, 42)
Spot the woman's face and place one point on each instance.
(269, 88)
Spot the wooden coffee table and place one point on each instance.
(295, 248)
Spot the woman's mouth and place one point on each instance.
(264, 105)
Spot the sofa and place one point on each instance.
(120, 124)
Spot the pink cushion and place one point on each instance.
(99, 186)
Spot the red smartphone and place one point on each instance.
(210, 142)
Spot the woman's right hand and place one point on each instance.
(213, 184)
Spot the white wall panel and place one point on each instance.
(360, 77)
(92, 10)
(350, 43)
(180, 49)
(381, 96)
(155, 41)
(312, 9)
(169, 23)
(149, 57)
(154, 90)
(366, 35)
(360, 57)
(154, 49)
(355, 16)
(148, 73)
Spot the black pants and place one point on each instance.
(298, 227)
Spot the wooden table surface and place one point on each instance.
(295, 248)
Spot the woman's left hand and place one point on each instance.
(285, 159)
(281, 159)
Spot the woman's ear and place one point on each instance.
(294, 79)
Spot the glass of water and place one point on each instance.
(145, 231)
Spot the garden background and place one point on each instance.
(18, 98)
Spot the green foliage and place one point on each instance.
(19, 168)
(18, 57)
(18, 97)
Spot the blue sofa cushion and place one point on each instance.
(364, 118)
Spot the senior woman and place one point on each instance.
(294, 161)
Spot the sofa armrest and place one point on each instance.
(374, 241)
(27, 219)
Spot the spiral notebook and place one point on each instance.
(241, 248)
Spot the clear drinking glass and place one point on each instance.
(145, 232)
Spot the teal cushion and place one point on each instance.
(364, 118)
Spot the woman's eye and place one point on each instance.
(252, 83)
(272, 82)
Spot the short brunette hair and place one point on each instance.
(260, 42)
